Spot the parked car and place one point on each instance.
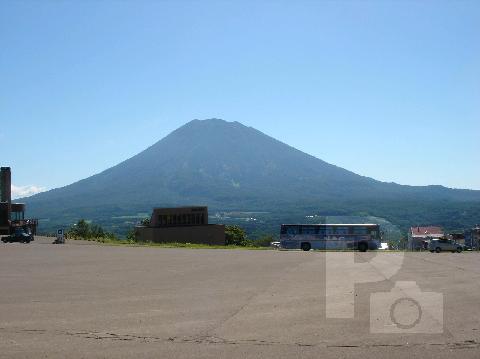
(448, 245)
(467, 247)
(19, 235)
(275, 245)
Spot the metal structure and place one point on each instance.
(12, 215)
(472, 237)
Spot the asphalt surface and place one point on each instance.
(82, 300)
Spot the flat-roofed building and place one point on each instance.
(181, 225)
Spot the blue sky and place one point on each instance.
(389, 90)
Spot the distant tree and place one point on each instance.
(235, 235)
(145, 222)
(402, 244)
(131, 235)
(96, 231)
(80, 230)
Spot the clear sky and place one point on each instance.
(387, 89)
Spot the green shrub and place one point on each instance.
(264, 241)
(235, 235)
(145, 222)
(90, 232)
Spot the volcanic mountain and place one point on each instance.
(229, 166)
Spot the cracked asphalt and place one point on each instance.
(83, 300)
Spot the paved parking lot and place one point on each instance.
(82, 300)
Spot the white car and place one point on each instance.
(439, 245)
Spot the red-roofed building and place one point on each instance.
(418, 236)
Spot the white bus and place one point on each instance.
(360, 237)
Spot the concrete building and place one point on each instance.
(419, 236)
(181, 225)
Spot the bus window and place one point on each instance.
(329, 230)
(292, 230)
(341, 230)
(308, 230)
(359, 230)
(322, 231)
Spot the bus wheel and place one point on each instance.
(362, 247)
(305, 246)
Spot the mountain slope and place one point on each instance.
(227, 165)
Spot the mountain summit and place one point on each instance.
(227, 165)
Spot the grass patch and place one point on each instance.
(130, 243)
(199, 246)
